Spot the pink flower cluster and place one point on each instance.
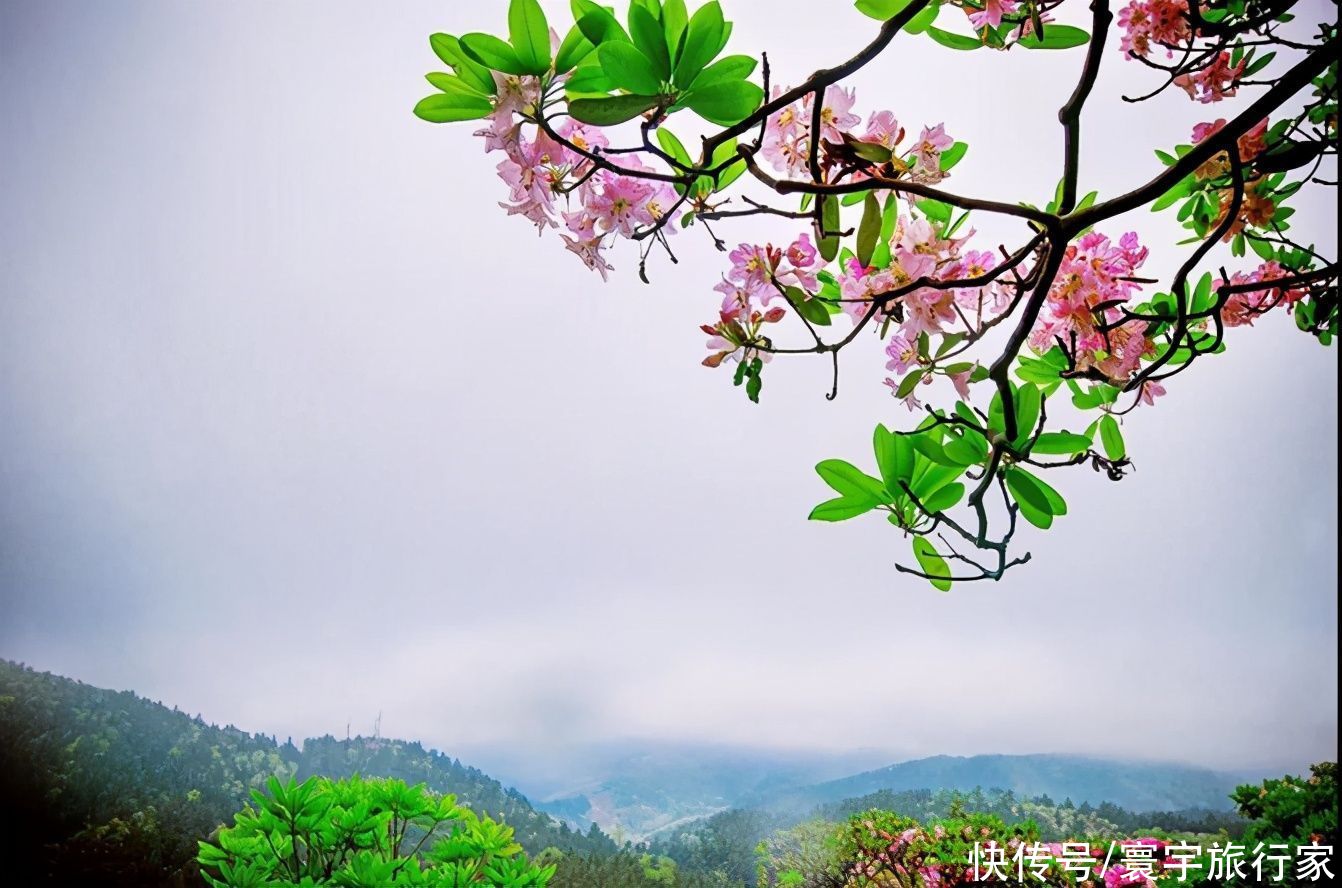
(1251, 144)
(1242, 309)
(1148, 23)
(787, 135)
(1094, 280)
(1214, 82)
(758, 276)
(542, 171)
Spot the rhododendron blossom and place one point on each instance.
(1019, 354)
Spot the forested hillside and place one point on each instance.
(726, 842)
(1137, 786)
(108, 782)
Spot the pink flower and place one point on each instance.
(961, 381)
(836, 112)
(902, 352)
(516, 95)
(991, 14)
(931, 143)
(884, 129)
(1213, 83)
(622, 204)
(1243, 308)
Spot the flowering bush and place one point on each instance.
(582, 120)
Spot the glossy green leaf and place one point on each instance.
(945, 498)
(493, 53)
(893, 458)
(829, 220)
(597, 23)
(953, 155)
(1056, 37)
(611, 110)
(449, 107)
(923, 20)
(725, 103)
(954, 41)
(1029, 402)
(675, 18)
(841, 509)
(1112, 438)
(530, 35)
(1060, 444)
(702, 37)
(869, 229)
(573, 50)
(448, 48)
(1033, 502)
(628, 68)
(881, 9)
(728, 68)
(850, 481)
(936, 568)
(647, 33)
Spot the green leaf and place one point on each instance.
(448, 48)
(674, 20)
(702, 37)
(1057, 506)
(929, 477)
(829, 222)
(1060, 444)
(938, 572)
(850, 481)
(952, 155)
(573, 50)
(673, 146)
(869, 229)
(597, 24)
(882, 9)
(1029, 402)
(727, 68)
(493, 53)
(451, 83)
(448, 107)
(611, 110)
(530, 35)
(650, 38)
(1056, 37)
(628, 68)
(923, 20)
(1033, 502)
(1112, 438)
(811, 308)
(954, 41)
(841, 509)
(894, 458)
(588, 80)
(945, 498)
(725, 103)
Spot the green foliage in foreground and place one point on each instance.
(358, 833)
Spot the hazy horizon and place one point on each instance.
(297, 428)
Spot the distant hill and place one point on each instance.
(1136, 786)
(106, 782)
(647, 788)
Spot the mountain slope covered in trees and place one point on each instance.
(109, 782)
(1137, 786)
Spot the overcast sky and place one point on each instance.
(296, 427)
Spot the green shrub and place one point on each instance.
(358, 833)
